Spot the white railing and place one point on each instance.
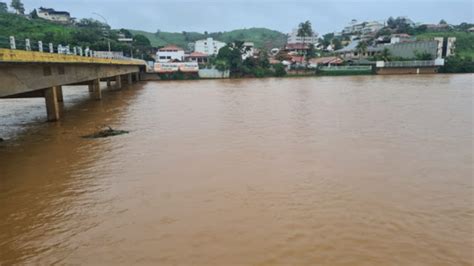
(414, 63)
(39, 46)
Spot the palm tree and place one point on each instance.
(361, 48)
(305, 30)
(386, 55)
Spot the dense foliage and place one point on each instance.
(86, 33)
(230, 58)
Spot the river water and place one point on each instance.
(369, 170)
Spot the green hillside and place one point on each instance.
(21, 28)
(262, 37)
(164, 38)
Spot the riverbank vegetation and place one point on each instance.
(86, 33)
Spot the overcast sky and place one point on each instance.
(283, 15)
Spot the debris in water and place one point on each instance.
(109, 132)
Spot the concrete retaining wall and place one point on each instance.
(407, 70)
(213, 73)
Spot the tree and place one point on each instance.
(361, 48)
(443, 22)
(305, 30)
(3, 7)
(337, 43)
(141, 41)
(34, 14)
(126, 33)
(386, 54)
(232, 55)
(311, 53)
(279, 70)
(18, 6)
(327, 38)
(391, 23)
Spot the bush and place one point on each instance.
(456, 64)
(279, 70)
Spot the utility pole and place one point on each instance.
(108, 39)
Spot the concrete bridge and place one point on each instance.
(26, 74)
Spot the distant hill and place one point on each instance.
(262, 37)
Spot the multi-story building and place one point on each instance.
(208, 46)
(293, 38)
(406, 50)
(53, 15)
(365, 28)
(170, 53)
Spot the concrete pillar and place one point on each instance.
(96, 93)
(137, 76)
(52, 107)
(91, 87)
(118, 81)
(59, 92)
(108, 82)
(129, 79)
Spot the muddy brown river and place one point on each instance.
(369, 170)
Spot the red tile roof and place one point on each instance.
(197, 54)
(297, 58)
(171, 47)
(326, 60)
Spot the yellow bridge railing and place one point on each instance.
(19, 56)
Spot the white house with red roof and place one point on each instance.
(170, 53)
(200, 58)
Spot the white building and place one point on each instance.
(249, 50)
(294, 38)
(356, 27)
(372, 27)
(208, 46)
(53, 15)
(170, 53)
(122, 38)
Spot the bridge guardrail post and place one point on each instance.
(74, 50)
(40, 46)
(27, 45)
(51, 48)
(80, 51)
(12, 43)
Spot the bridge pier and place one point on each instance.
(108, 82)
(91, 86)
(52, 106)
(118, 81)
(129, 79)
(137, 76)
(59, 92)
(96, 92)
